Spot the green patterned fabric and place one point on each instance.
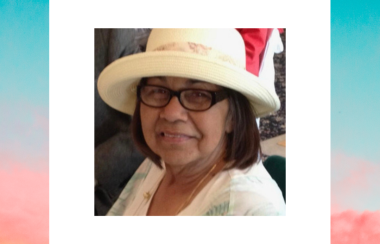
(230, 193)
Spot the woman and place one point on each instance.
(194, 107)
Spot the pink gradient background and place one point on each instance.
(355, 184)
(25, 208)
(24, 175)
(352, 227)
(355, 198)
(355, 86)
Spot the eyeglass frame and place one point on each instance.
(216, 96)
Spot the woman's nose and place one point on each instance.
(173, 111)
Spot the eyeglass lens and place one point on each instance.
(192, 99)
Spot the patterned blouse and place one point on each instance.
(232, 192)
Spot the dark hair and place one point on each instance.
(243, 143)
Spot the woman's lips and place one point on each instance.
(174, 137)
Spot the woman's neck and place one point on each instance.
(192, 173)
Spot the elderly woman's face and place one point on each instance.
(180, 136)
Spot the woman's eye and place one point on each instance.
(198, 96)
(156, 91)
(159, 90)
(159, 93)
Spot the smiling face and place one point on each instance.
(180, 136)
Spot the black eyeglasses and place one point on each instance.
(191, 99)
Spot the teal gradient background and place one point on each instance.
(24, 86)
(355, 120)
(24, 52)
(24, 123)
(355, 78)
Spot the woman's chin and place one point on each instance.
(176, 162)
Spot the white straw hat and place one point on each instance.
(213, 55)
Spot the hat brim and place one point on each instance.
(117, 83)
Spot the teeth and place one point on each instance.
(170, 135)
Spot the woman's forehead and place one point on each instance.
(179, 82)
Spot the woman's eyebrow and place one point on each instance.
(192, 81)
(160, 78)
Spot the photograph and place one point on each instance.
(190, 122)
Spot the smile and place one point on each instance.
(170, 137)
(173, 135)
